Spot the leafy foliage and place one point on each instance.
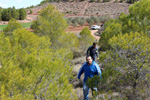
(136, 21)
(129, 59)
(12, 25)
(31, 11)
(7, 14)
(86, 38)
(37, 66)
(22, 14)
(126, 58)
(50, 23)
(132, 1)
(112, 28)
(29, 68)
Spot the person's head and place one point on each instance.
(94, 44)
(89, 60)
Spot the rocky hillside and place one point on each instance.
(87, 8)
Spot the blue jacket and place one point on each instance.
(93, 51)
(89, 70)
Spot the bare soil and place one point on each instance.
(85, 8)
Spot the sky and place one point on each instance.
(18, 3)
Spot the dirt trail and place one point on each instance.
(93, 34)
(78, 62)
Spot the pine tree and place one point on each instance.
(5, 15)
(30, 69)
(14, 13)
(126, 60)
(12, 25)
(50, 23)
(112, 28)
(22, 14)
(86, 38)
(9, 14)
(33, 67)
(127, 66)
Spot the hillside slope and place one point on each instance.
(87, 8)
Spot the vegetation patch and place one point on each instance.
(25, 25)
(2, 27)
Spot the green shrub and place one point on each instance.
(106, 0)
(12, 25)
(86, 38)
(90, 21)
(103, 19)
(82, 21)
(31, 11)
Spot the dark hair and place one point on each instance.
(94, 43)
(88, 57)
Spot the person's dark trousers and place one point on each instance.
(94, 58)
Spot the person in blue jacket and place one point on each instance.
(89, 68)
(93, 51)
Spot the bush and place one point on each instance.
(98, 0)
(103, 19)
(82, 21)
(116, 1)
(126, 66)
(31, 11)
(95, 19)
(106, 0)
(12, 25)
(75, 24)
(86, 38)
(76, 20)
(132, 1)
(90, 21)
(51, 24)
(112, 28)
(26, 60)
(69, 22)
(92, 0)
(121, 1)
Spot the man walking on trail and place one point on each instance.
(93, 52)
(89, 68)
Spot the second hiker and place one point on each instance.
(93, 52)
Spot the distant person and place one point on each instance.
(89, 68)
(93, 51)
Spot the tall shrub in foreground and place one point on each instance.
(127, 66)
(30, 69)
